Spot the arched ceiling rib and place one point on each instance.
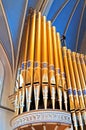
(71, 34)
(82, 35)
(5, 37)
(7, 86)
(47, 7)
(62, 19)
(15, 12)
(70, 16)
(65, 15)
(53, 19)
(1, 78)
(55, 7)
(78, 32)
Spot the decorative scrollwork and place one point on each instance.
(41, 116)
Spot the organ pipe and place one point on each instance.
(44, 62)
(37, 60)
(52, 81)
(49, 75)
(63, 80)
(30, 60)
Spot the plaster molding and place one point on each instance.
(5, 56)
(41, 116)
(7, 88)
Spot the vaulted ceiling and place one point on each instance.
(69, 17)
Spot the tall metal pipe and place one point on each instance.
(30, 60)
(81, 100)
(57, 69)
(83, 84)
(63, 79)
(44, 62)
(37, 60)
(70, 94)
(83, 65)
(52, 81)
(74, 119)
(73, 82)
(23, 67)
(80, 95)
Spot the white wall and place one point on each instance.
(5, 117)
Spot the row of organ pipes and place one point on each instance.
(49, 73)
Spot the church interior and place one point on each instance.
(43, 65)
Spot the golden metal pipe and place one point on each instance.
(50, 45)
(81, 100)
(21, 99)
(83, 85)
(57, 69)
(73, 82)
(25, 51)
(44, 40)
(85, 59)
(76, 100)
(82, 60)
(79, 119)
(16, 102)
(30, 60)
(51, 64)
(30, 54)
(37, 56)
(21, 55)
(22, 60)
(74, 119)
(83, 112)
(71, 100)
(63, 80)
(22, 66)
(44, 62)
(19, 72)
(59, 48)
(56, 57)
(37, 60)
(16, 99)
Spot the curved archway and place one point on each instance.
(6, 77)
